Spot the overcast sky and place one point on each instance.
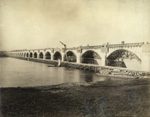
(33, 24)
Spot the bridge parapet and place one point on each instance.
(125, 45)
(74, 48)
(92, 47)
(146, 48)
(57, 49)
(109, 45)
(89, 47)
(18, 50)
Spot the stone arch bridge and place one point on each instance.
(134, 56)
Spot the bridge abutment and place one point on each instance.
(145, 64)
(145, 58)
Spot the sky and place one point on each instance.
(35, 24)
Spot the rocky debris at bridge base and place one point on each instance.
(100, 99)
(101, 70)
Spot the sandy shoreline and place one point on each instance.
(100, 99)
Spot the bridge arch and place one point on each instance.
(25, 54)
(35, 54)
(31, 55)
(41, 55)
(57, 55)
(91, 57)
(70, 56)
(47, 55)
(135, 50)
(123, 58)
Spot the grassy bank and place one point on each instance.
(101, 99)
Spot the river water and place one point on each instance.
(22, 73)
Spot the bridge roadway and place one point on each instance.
(108, 59)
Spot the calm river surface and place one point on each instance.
(22, 73)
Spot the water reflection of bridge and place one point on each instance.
(134, 56)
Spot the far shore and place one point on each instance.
(100, 99)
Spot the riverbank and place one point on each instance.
(100, 99)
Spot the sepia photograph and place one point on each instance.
(74, 58)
